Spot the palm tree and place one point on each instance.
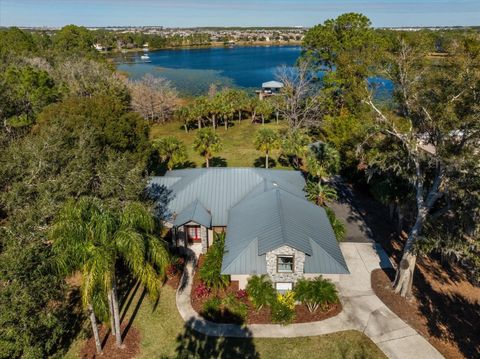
(326, 156)
(171, 150)
(80, 244)
(265, 109)
(206, 143)
(295, 145)
(316, 169)
(90, 237)
(320, 193)
(266, 140)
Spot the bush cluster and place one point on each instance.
(260, 291)
(210, 272)
(314, 294)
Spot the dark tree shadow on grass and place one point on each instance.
(217, 162)
(260, 162)
(192, 344)
(134, 313)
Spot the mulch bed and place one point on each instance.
(263, 316)
(450, 326)
(131, 343)
(174, 273)
(445, 305)
(174, 281)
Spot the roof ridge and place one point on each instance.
(282, 222)
(195, 206)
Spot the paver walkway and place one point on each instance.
(362, 311)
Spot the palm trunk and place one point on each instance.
(112, 314)
(214, 122)
(239, 116)
(266, 159)
(226, 124)
(263, 120)
(93, 320)
(186, 128)
(116, 312)
(199, 123)
(276, 115)
(207, 161)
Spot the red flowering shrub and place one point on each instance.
(242, 293)
(201, 290)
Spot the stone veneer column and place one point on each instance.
(204, 236)
(298, 270)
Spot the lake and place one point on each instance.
(192, 71)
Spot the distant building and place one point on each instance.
(269, 88)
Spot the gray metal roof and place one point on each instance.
(195, 212)
(276, 218)
(272, 84)
(263, 209)
(246, 262)
(219, 189)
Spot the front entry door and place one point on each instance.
(193, 234)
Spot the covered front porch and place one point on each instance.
(192, 228)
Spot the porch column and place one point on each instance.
(204, 236)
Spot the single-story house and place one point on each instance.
(270, 88)
(270, 226)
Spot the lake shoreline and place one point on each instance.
(212, 45)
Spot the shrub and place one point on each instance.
(241, 294)
(201, 290)
(282, 313)
(235, 307)
(317, 293)
(337, 225)
(212, 266)
(287, 299)
(211, 308)
(261, 291)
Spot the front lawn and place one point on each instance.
(238, 148)
(164, 335)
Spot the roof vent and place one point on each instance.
(275, 184)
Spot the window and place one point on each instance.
(282, 288)
(193, 233)
(285, 264)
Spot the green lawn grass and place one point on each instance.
(238, 148)
(163, 335)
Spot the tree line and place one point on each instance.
(74, 164)
(75, 157)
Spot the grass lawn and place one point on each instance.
(238, 148)
(163, 335)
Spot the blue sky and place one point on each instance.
(187, 13)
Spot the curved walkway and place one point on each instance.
(362, 311)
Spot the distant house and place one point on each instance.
(270, 226)
(270, 88)
(99, 47)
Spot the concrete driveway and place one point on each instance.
(362, 311)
